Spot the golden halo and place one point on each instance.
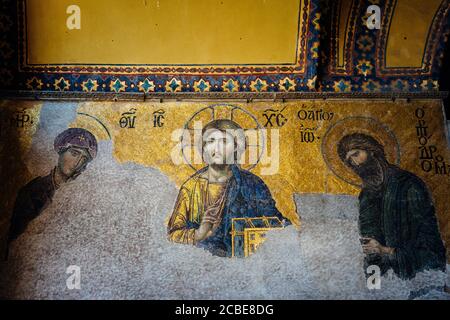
(222, 111)
(92, 124)
(351, 125)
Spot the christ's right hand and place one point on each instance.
(204, 231)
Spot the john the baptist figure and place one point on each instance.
(397, 217)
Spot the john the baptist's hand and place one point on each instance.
(372, 246)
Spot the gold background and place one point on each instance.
(164, 32)
(408, 32)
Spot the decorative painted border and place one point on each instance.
(214, 96)
(365, 75)
(8, 49)
(287, 79)
(333, 67)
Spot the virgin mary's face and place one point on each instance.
(72, 161)
(218, 147)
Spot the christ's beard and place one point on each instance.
(219, 167)
(371, 173)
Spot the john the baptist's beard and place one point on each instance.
(371, 172)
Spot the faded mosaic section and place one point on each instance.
(111, 221)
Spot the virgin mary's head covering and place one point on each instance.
(76, 137)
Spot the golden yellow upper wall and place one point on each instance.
(164, 32)
(409, 31)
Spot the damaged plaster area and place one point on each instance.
(111, 222)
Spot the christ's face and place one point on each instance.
(72, 161)
(218, 147)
